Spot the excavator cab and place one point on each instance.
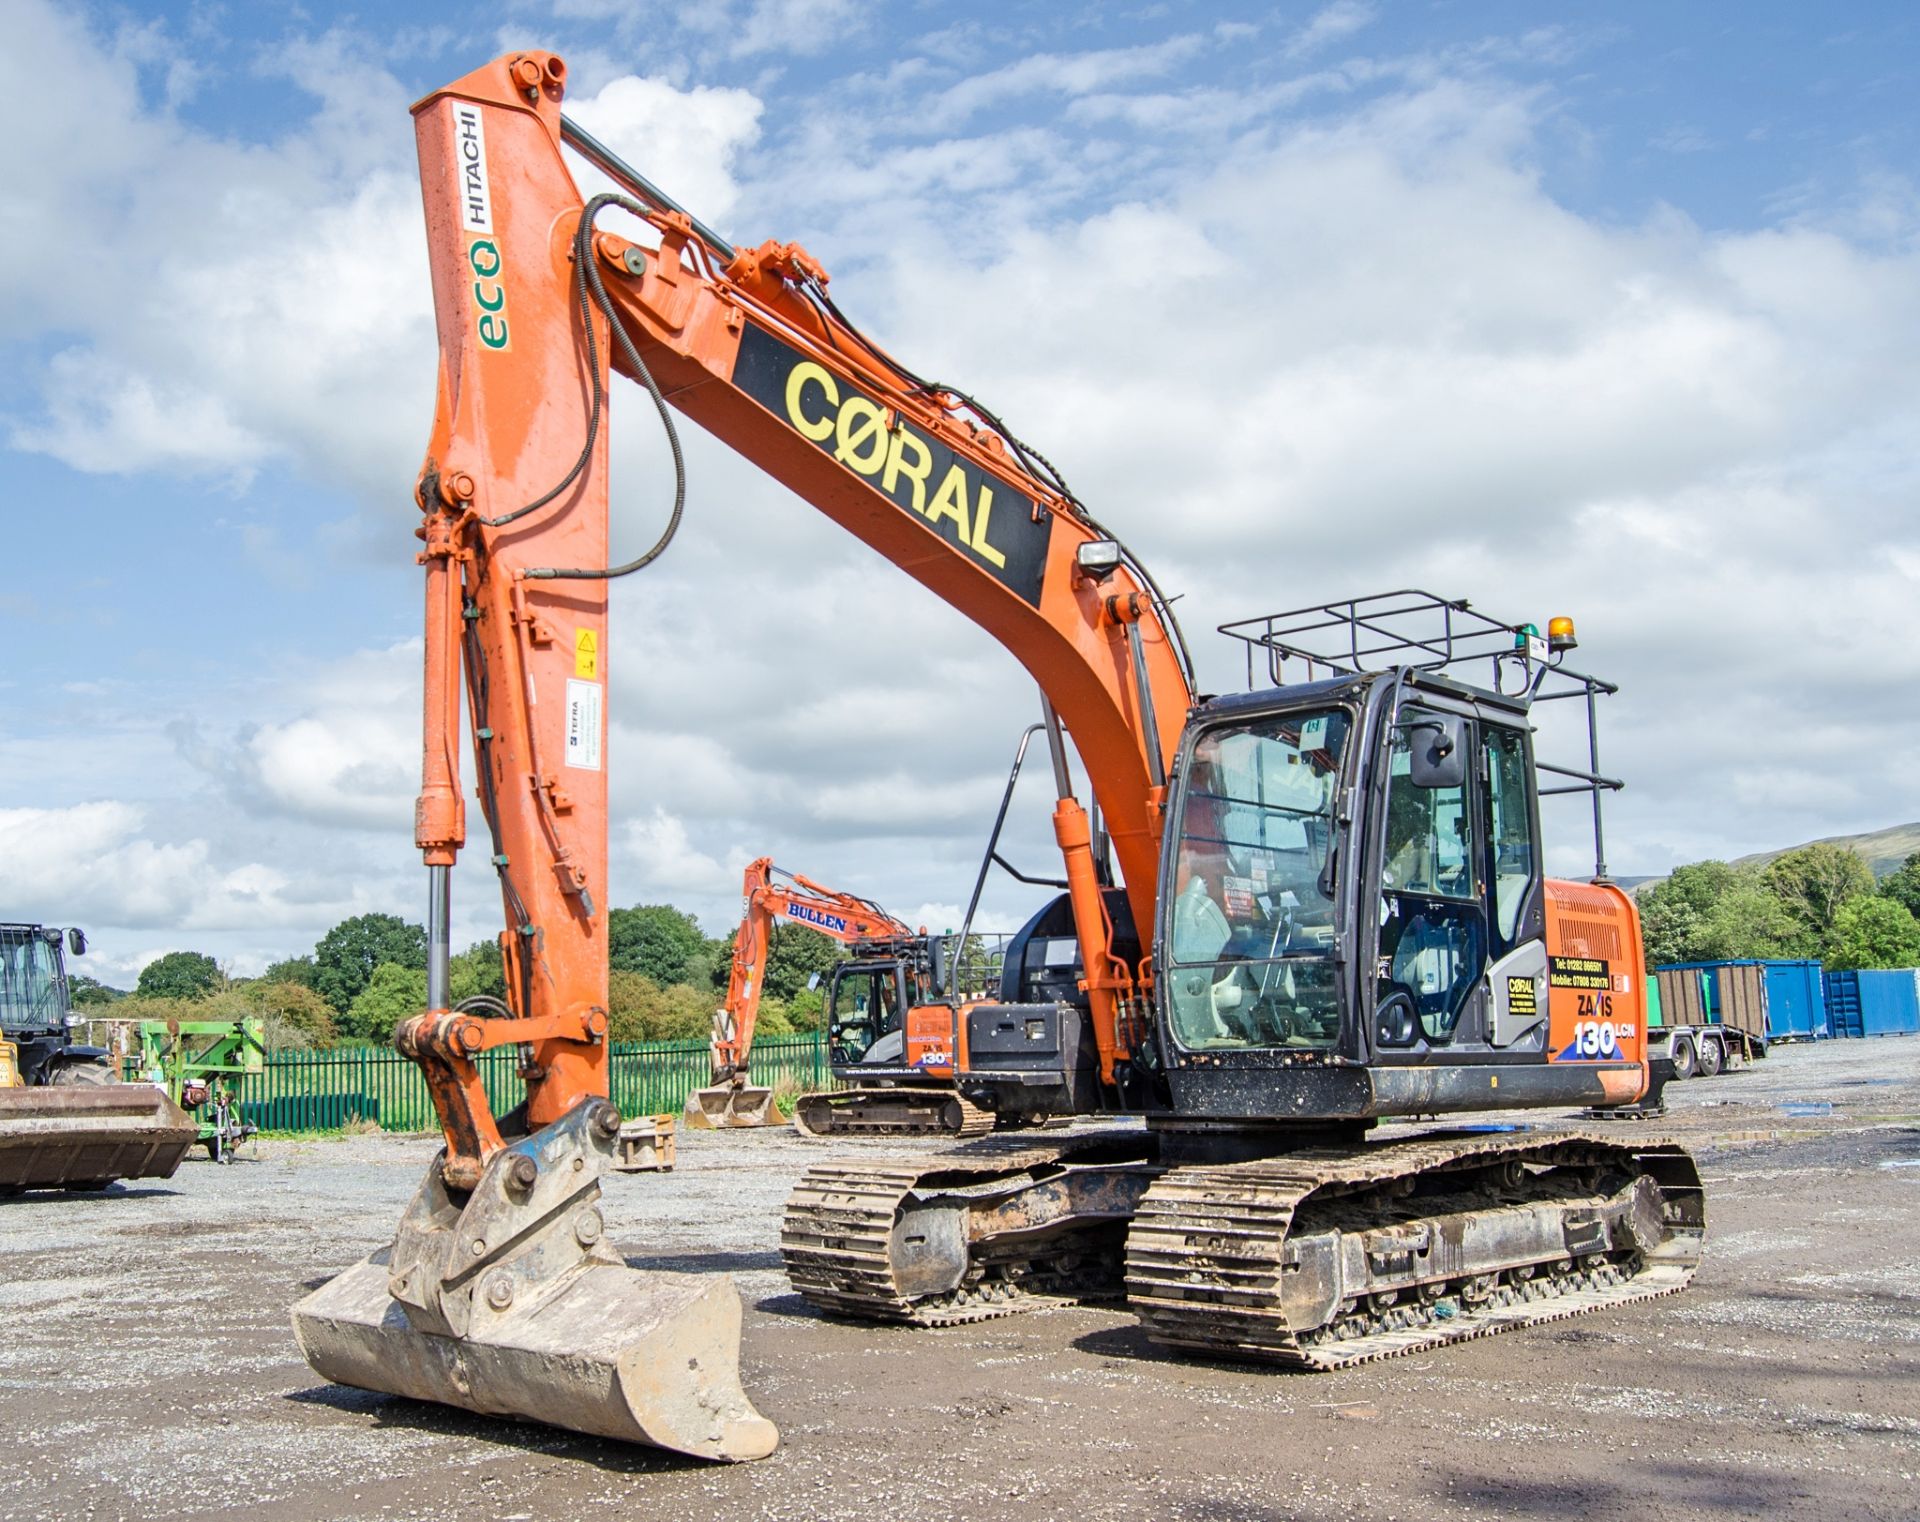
(1356, 920)
(866, 1001)
(1360, 924)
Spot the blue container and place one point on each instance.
(1874, 1003)
(1790, 994)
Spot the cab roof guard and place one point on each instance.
(1413, 630)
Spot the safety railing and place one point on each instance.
(344, 1088)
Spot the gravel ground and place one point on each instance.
(149, 1371)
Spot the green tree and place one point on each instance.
(772, 1020)
(1709, 911)
(296, 1016)
(347, 955)
(794, 955)
(1747, 921)
(159, 1007)
(476, 970)
(1672, 911)
(392, 993)
(86, 992)
(1873, 932)
(1902, 885)
(302, 970)
(1813, 883)
(660, 942)
(807, 1010)
(179, 975)
(640, 1009)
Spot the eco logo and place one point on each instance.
(476, 216)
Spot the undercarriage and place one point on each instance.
(1313, 1258)
(895, 1110)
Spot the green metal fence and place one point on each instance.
(330, 1090)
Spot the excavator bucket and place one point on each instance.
(84, 1136)
(723, 1105)
(509, 1303)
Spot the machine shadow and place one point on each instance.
(706, 1262)
(1132, 1343)
(45, 1196)
(504, 1432)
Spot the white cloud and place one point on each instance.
(278, 312)
(669, 863)
(1328, 25)
(90, 863)
(685, 141)
(1287, 356)
(1068, 74)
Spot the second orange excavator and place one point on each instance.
(895, 970)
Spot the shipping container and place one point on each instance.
(1874, 1003)
(1773, 1000)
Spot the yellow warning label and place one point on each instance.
(586, 653)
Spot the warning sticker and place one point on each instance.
(583, 725)
(586, 654)
(1591, 973)
(1520, 997)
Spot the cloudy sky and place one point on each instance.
(1610, 316)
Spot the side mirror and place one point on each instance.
(813, 980)
(76, 940)
(1438, 751)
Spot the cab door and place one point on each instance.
(1434, 940)
(1517, 973)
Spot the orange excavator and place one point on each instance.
(1327, 907)
(771, 897)
(894, 1009)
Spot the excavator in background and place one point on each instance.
(891, 1011)
(1336, 909)
(66, 1122)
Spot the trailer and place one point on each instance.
(1715, 1017)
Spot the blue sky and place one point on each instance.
(1606, 312)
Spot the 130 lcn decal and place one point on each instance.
(978, 513)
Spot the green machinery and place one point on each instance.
(197, 1062)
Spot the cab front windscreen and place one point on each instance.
(1251, 928)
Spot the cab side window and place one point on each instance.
(1509, 829)
(1430, 834)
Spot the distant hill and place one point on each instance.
(1884, 849)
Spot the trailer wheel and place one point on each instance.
(1684, 1065)
(1712, 1057)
